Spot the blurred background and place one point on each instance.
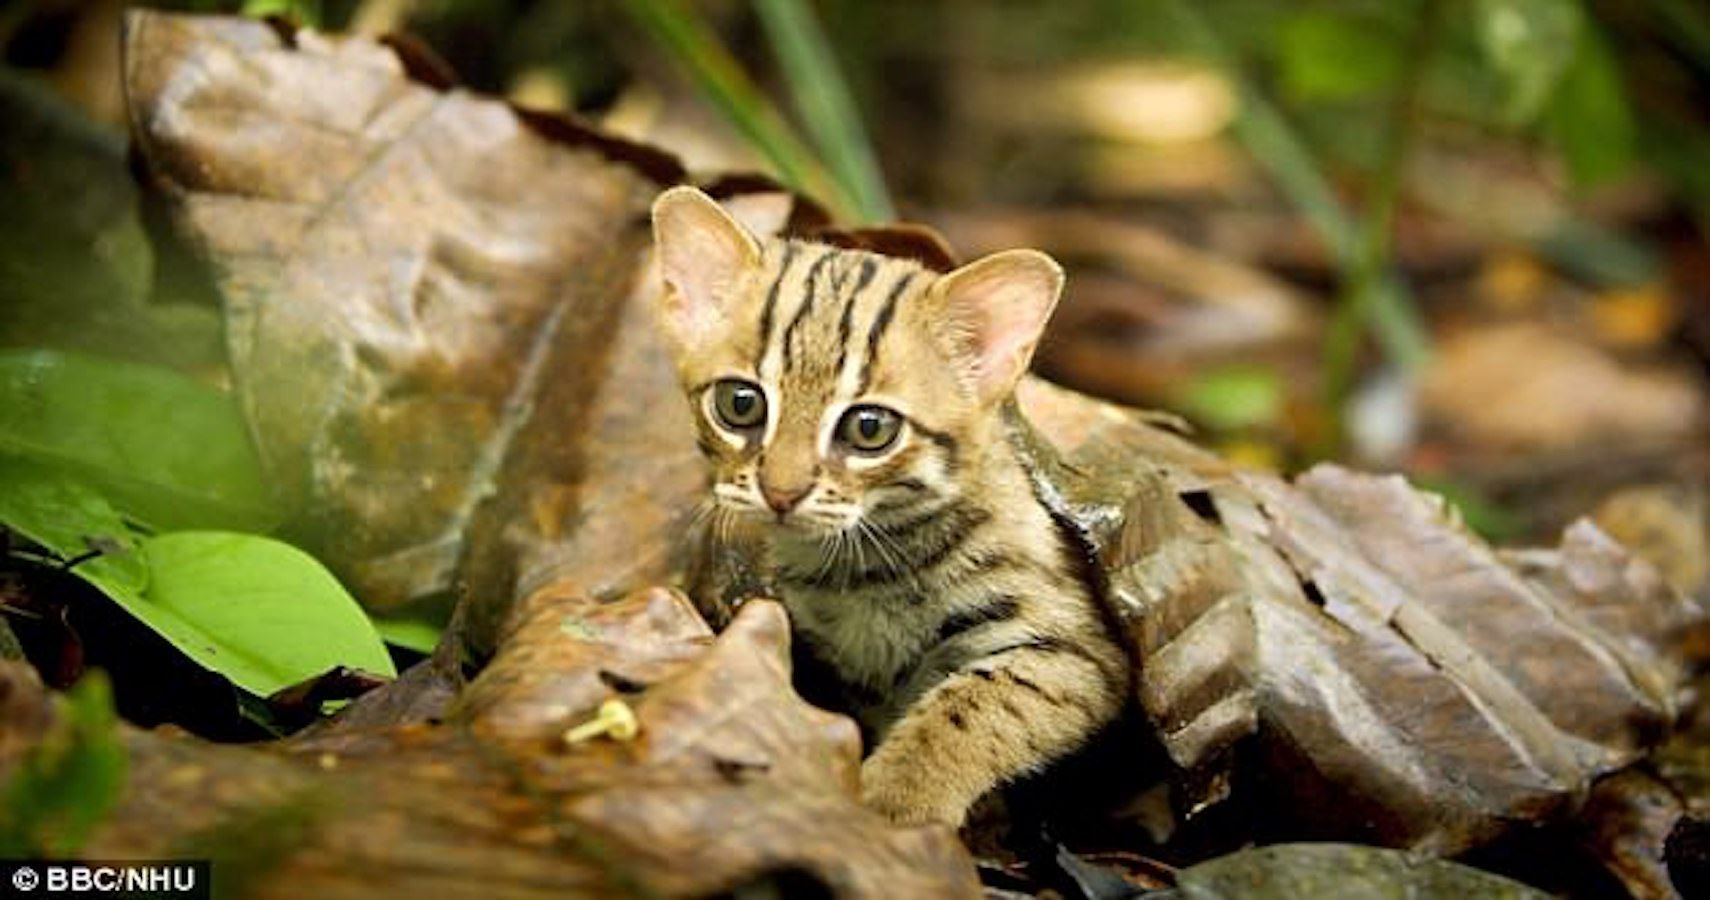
(1464, 239)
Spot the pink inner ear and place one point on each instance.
(1001, 303)
(703, 253)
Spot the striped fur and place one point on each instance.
(927, 576)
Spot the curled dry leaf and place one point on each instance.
(731, 779)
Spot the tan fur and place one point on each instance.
(927, 575)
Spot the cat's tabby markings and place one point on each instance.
(853, 409)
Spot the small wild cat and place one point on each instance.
(853, 408)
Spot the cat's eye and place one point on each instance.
(738, 404)
(869, 429)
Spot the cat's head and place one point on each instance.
(833, 387)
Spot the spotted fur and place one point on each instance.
(928, 576)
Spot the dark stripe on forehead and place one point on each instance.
(839, 280)
(811, 290)
(846, 322)
(772, 302)
(880, 323)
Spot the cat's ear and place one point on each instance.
(703, 251)
(997, 307)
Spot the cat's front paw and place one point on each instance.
(906, 795)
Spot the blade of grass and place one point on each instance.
(1277, 147)
(683, 34)
(822, 99)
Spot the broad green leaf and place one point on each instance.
(70, 780)
(72, 521)
(1233, 397)
(162, 448)
(1530, 44)
(1329, 56)
(1590, 119)
(411, 634)
(260, 612)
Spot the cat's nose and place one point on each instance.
(782, 500)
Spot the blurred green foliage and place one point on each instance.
(69, 781)
(1233, 398)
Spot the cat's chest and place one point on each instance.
(868, 639)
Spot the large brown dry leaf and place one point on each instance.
(731, 780)
(428, 303)
(1403, 682)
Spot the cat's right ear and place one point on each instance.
(703, 252)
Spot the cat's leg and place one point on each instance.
(998, 717)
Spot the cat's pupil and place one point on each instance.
(742, 403)
(868, 424)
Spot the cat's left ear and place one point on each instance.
(998, 306)
(703, 252)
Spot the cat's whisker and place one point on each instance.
(886, 549)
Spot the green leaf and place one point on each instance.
(1326, 56)
(69, 781)
(1530, 44)
(411, 634)
(1589, 119)
(1233, 397)
(162, 448)
(71, 520)
(260, 612)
